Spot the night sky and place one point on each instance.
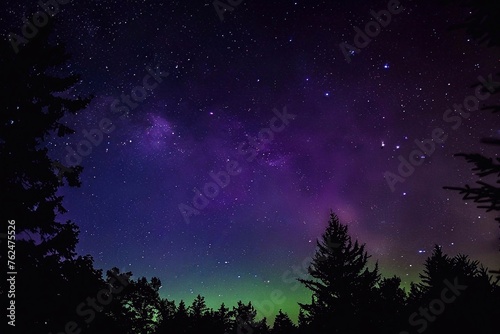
(218, 84)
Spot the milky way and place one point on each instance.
(224, 85)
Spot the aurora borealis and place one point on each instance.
(212, 110)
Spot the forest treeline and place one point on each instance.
(455, 294)
(59, 291)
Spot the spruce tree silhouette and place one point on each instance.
(486, 194)
(167, 311)
(283, 324)
(222, 320)
(303, 322)
(50, 277)
(391, 299)
(243, 318)
(343, 287)
(199, 315)
(181, 319)
(261, 327)
(454, 295)
(483, 25)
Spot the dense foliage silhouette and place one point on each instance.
(483, 25)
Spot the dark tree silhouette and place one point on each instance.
(485, 194)
(391, 299)
(482, 24)
(455, 295)
(283, 324)
(243, 318)
(198, 308)
(143, 305)
(167, 311)
(261, 327)
(343, 287)
(181, 319)
(199, 315)
(303, 321)
(116, 316)
(54, 285)
(222, 321)
(35, 97)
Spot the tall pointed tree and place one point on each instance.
(199, 315)
(303, 321)
(244, 318)
(167, 310)
(261, 327)
(342, 285)
(36, 95)
(222, 319)
(181, 322)
(283, 324)
(437, 268)
(455, 295)
(198, 308)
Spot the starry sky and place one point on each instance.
(218, 84)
